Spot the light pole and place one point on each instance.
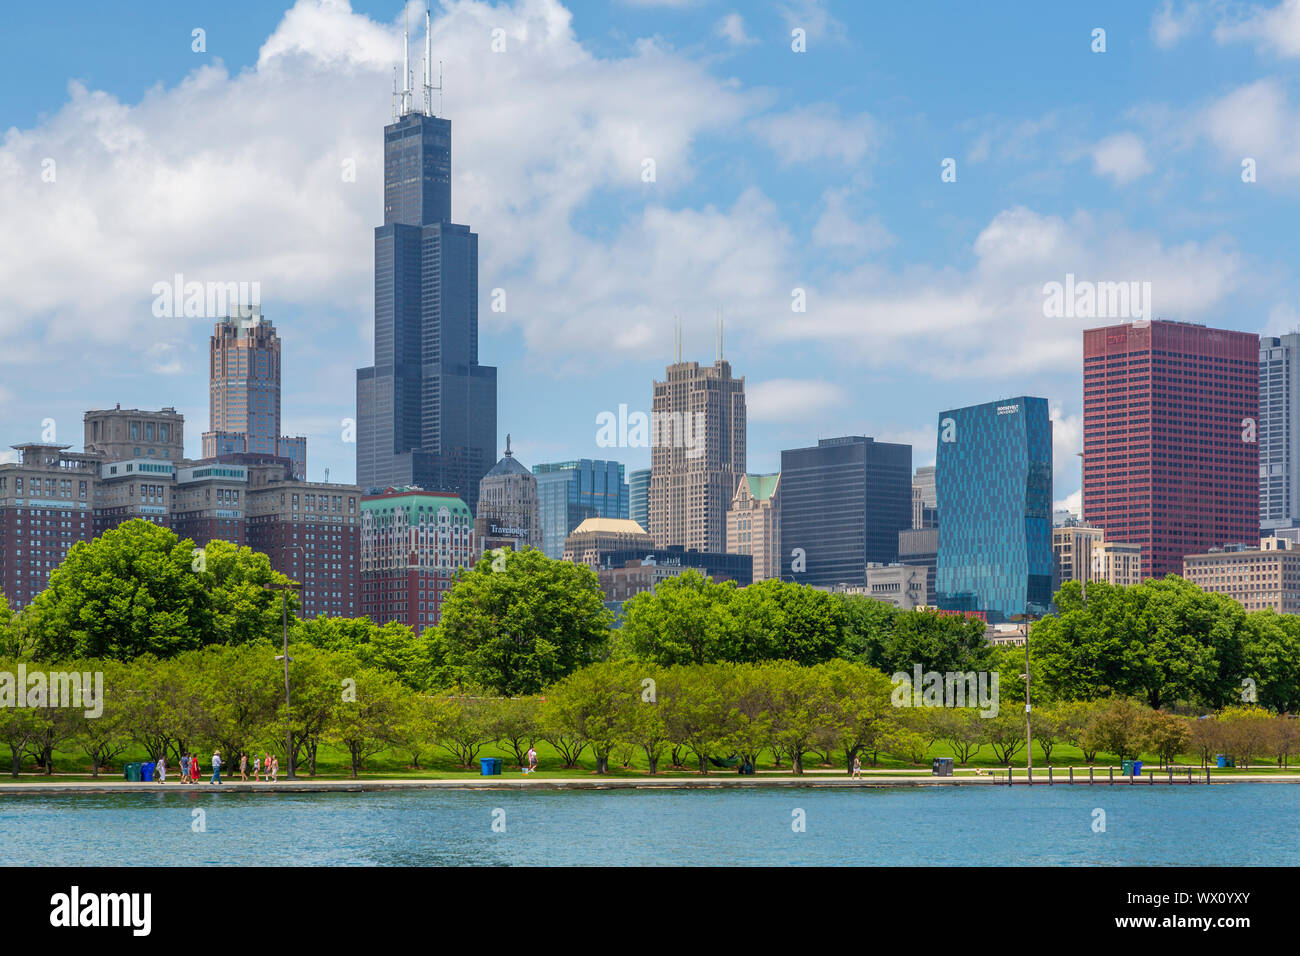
(1029, 730)
(284, 614)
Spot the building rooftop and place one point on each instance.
(609, 526)
(763, 487)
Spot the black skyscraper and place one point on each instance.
(843, 503)
(426, 409)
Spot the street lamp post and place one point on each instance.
(288, 716)
(1029, 729)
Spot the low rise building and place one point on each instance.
(599, 536)
(1259, 579)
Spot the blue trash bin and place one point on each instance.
(1137, 768)
(146, 772)
(490, 766)
(1223, 761)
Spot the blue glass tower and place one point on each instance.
(570, 492)
(426, 408)
(993, 479)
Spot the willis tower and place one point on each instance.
(426, 409)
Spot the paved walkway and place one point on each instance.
(46, 786)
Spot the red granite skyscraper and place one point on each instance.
(1170, 458)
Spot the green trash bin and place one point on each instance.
(1128, 768)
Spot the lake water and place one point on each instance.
(1238, 824)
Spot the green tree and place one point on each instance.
(462, 725)
(1271, 653)
(516, 722)
(864, 713)
(238, 695)
(804, 709)
(138, 589)
(1162, 640)
(367, 719)
(1005, 733)
(392, 648)
(683, 621)
(597, 704)
(695, 709)
(776, 620)
(1118, 727)
(938, 642)
(962, 728)
(1167, 734)
(866, 624)
(522, 627)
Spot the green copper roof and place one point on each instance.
(413, 503)
(762, 486)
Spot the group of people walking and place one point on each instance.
(267, 764)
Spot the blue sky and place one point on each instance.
(775, 170)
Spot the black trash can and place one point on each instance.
(941, 767)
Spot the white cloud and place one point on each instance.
(1256, 121)
(1073, 503)
(229, 178)
(837, 228)
(813, 18)
(1122, 157)
(988, 319)
(808, 133)
(1274, 29)
(790, 400)
(1172, 23)
(1067, 442)
(732, 29)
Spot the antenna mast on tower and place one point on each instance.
(428, 66)
(406, 65)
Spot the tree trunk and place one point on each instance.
(602, 765)
(654, 764)
(704, 765)
(849, 754)
(796, 761)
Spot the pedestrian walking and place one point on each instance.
(857, 767)
(243, 766)
(257, 769)
(161, 770)
(216, 767)
(275, 769)
(532, 759)
(194, 768)
(185, 768)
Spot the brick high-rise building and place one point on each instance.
(1170, 457)
(697, 454)
(244, 393)
(46, 506)
(412, 544)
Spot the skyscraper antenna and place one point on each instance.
(406, 64)
(428, 61)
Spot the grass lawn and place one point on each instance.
(333, 764)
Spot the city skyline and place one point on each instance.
(846, 149)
